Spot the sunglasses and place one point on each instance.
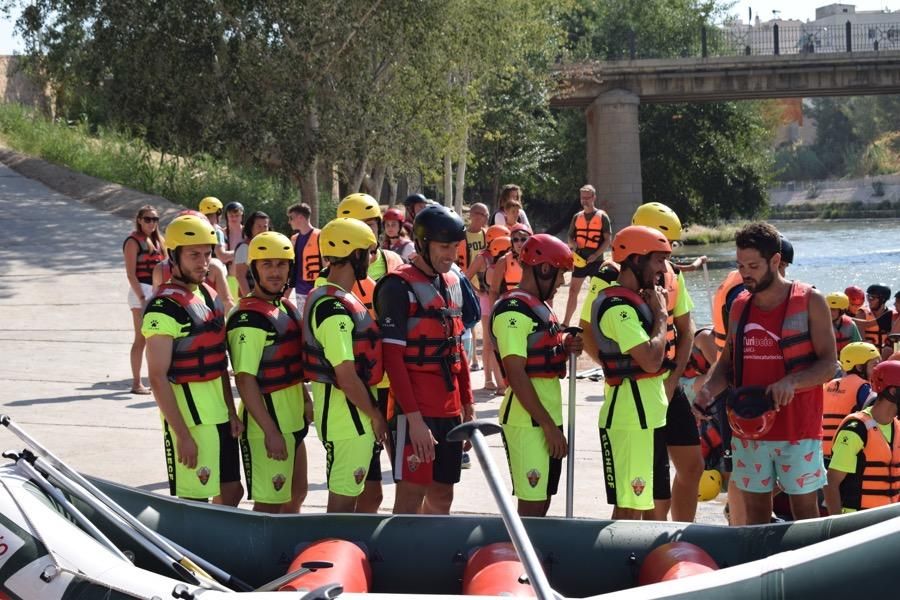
(520, 239)
(150, 219)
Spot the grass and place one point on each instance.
(129, 161)
(697, 235)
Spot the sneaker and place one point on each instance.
(466, 461)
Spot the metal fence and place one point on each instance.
(766, 40)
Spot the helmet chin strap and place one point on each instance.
(423, 252)
(539, 277)
(259, 284)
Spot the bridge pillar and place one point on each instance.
(614, 154)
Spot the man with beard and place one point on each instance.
(419, 308)
(628, 322)
(779, 351)
(184, 324)
(533, 356)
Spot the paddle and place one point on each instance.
(187, 561)
(570, 459)
(472, 431)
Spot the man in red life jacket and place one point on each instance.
(264, 345)
(780, 338)
(419, 308)
(184, 324)
(533, 353)
(865, 465)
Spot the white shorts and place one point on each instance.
(133, 301)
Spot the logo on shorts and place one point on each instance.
(359, 474)
(533, 477)
(412, 463)
(203, 474)
(278, 482)
(638, 485)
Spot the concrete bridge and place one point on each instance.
(609, 94)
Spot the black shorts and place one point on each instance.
(681, 425)
(662, 486)
(588, 270)
(229, 456)
(447, 465)
(717, 411)
(374, 473)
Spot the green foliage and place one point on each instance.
(799, 163)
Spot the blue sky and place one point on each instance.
(796, 9)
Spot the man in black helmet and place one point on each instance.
(414, 204)
(419, 308)
(878, 318)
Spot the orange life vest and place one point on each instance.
(873, 333)
(147, 257)
(721, 307)
(838, 401)
(364, 290)
(310, 259)
(670, 282)
(200, 355)
(280, 366)
(795, 343)
(545, 355)
(366, 339)
(435, 326)
(589, 232)
(878, 469)
(843, 331)
(512, 275)
(697, 364)
(618, 365)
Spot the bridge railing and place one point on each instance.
(769, 39)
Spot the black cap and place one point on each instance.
(234, 206)
(879, 290)
(787, 251)
(413, 199)
(436, 223)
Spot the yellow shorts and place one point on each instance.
(268, 480)
(347, 463)
(628, 467)
(217, 462)
(535, 474)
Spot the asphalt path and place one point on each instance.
(65, 334)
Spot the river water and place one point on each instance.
(831, 255)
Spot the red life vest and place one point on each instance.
(618, 365)
(310, 260)
(697, 364)
(280, 366)
(512, 275)
(147, 257)
(838, 401)
(545, 356)
(589, 232)
(721, 308)
(843, 331)
(878, 469)
(200, 355)
(435, 326)
(366, 340)
(795, 343)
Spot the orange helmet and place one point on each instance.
(495, 231)
(637, 239)
(499, 245)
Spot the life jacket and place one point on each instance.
(873, 333)
(838, 401)
(280, 366)
(200, 355)
(589, 232)
(310, 258)
(843, 332)
(512, 275)
(397, 245)
(364, 290)
(435, 326)
(795, 343)
(366, 340)
(147, 257)
(697, 364)
(879, 470)
(618, 365)
(670, 282)
(545, 356)
(725, 293)
(469, 248)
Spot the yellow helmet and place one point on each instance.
(838, 300)
(270, 245)
(858, 353)
(658, 216)
(210, 205)
(188, 230)
(340, 237)
(710, 485)
(359, 206)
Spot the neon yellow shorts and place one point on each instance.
(213, 456)
(535, 474)
(347, 463)
(628, 467)
(268, 480)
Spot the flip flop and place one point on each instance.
(141, 391)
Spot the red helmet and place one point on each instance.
(495, 231)
(520, 227)
(543, 249)
(886, 380)
(855, 294)
(637, 239)
(394, 214)
(750, 412)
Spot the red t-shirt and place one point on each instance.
(764, 365)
